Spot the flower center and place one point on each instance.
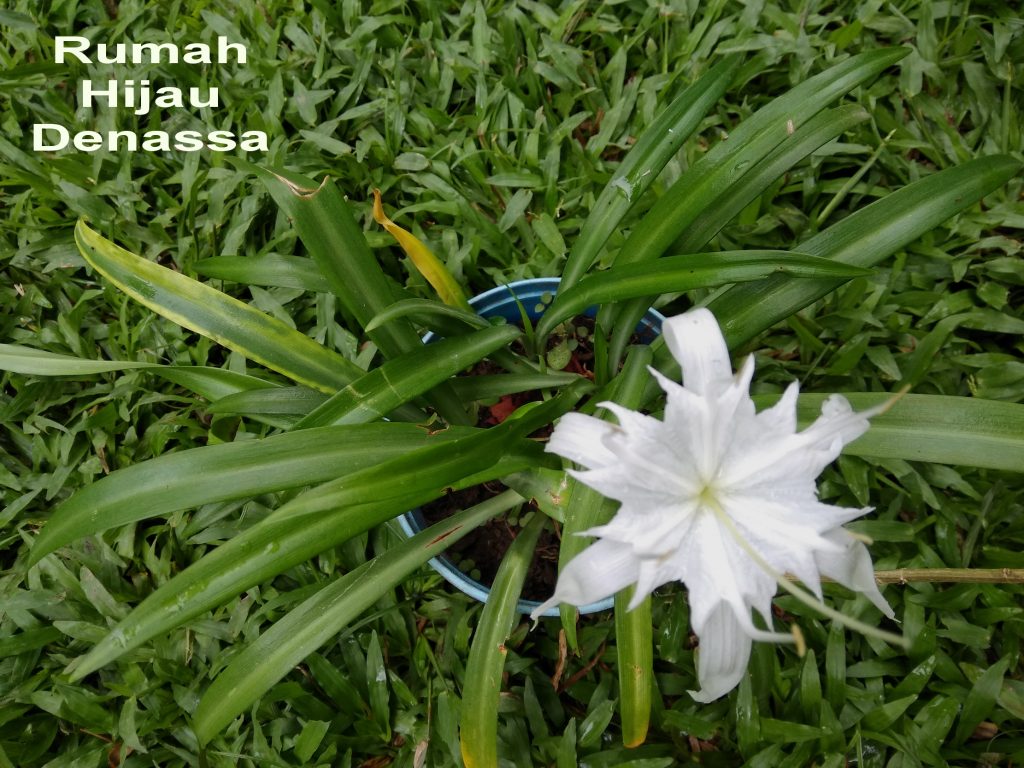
(707, 498)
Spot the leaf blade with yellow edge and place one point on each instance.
(431, 267)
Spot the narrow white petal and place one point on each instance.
(838, 422)
(580, 438)
(853, 569)
(653, 531)
(617, 482)
(632, 421)
(780, 419)
(599, 571)
(696, 341)
(722, 656)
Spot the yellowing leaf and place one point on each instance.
(431, 267)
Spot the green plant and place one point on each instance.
(361, 472)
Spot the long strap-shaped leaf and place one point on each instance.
(207, 311)
(862, 239)
(683, 273)
(327, 228)
(586, 508)
(478, 734)
(211, 383)
(819, 130)
(748, 144)
(722, 173)
(228, 471)
(272, 270)
(400, 380)
(325, 517)
(643, 163)
(963, 431)
(318, 619)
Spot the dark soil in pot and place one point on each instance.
(480, 552)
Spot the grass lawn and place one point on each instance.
(491, 130)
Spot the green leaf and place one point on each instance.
(491, 386)
(403, 378)
(595, 724)
(309, 739)
(817, 131)
(426, 311)
(643, 163)
(881, 717)
(227, 321)
(547, 488)
(215, 473)
(272, 270)
(376, 672)
(39, 362)
(327, 228)
(717, 175)
(684, 273)
(479, 730)
(634, 642)
(212, 383)
(318, 619)
(287, 401)
(981, 699)
(585, 507)
(937, 428)
(748, 144)
(862, 239)
(326, 516)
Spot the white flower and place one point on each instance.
(716, 496)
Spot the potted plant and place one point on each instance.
(346, 469)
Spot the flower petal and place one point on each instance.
(853, 569)
(580, 438)
(722, 656)
(601, 570)
(696, 341)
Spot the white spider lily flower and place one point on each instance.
(716, 496)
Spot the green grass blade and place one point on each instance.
(403, 378)
(207, 311)
(478, 734)
(862, 239)
(212, 383)
(683, 273)
(962, 431)
(643, 163)
(318, 619)
(272, 270)
(325, 517)
(228, 471)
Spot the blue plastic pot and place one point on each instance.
(534, 295)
